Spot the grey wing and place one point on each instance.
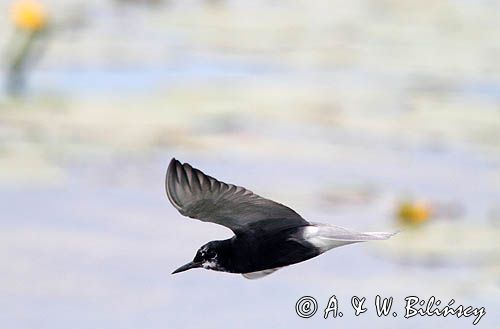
(199, 196)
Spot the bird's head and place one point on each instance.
(209, 257)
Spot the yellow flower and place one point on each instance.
(414, 213)
(29, 15)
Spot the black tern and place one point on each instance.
(267, 234)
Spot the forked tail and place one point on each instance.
(326, 237)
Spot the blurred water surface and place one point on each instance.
(337, 109)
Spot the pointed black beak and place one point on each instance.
(186, 267)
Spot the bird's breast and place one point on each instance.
(271, 250)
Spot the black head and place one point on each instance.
(210, 256)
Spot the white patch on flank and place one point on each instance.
(259, 274)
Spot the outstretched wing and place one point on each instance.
(199, 196)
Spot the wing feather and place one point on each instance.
(202, 197)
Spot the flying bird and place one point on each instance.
(267, 234)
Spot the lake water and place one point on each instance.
(340, 111)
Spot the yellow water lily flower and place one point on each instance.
(414, 213)
(29, 15)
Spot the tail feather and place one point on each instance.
(326, 237)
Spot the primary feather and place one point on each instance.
(200, 196)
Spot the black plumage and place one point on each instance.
(268, 235)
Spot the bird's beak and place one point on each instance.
(186, 267)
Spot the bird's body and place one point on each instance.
(249, 253)
(268, 235)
